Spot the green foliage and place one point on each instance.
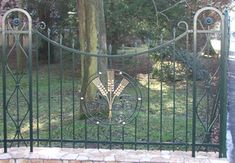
(139, 20)
(127, 21)
(176, 65)
(50, 12)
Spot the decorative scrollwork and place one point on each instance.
(33, 13)
(183, 25)
(117, 98)
(16, 22)
(41, 25)
(209, 20)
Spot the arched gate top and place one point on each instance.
(20, 11)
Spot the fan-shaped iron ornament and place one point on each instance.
(112, 98)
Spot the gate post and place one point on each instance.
(7, 29)
(223, 85)
(4, 88)
(194, 110)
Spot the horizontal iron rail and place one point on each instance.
(205, 31)
(16, 32)
(114, 142)
(72, 50)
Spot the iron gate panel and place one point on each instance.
(180, 83)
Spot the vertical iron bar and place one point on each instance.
(148, 114)
(4, 62)
(110, 137)
(194, 107)
(187, 84)
(61, 93)
(223, 85)
(136, 60)
(85, 133)
(30, 82)
(37, 88)
(110, 64)
(194, 86)
(123, 68)
(174, 87)
(123, 133)
(187, 114)
(49, 87)
(161, 96)
(73, 89)
(135, 133)
(187, 87)
(18, 71)
(98, 135)
(208, 114)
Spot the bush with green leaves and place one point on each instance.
(176, 64)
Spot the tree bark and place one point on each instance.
(92, 34)
(102, 38)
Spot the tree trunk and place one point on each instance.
(102, 39)
(91, 36)
(90, 63)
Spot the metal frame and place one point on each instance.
(223, 78)
(17, 32)
(189, 143)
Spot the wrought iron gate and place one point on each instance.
(16, 26)
(176, 100)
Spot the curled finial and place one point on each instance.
(41, 25)
(183, 25)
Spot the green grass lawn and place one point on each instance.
(56, 113)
